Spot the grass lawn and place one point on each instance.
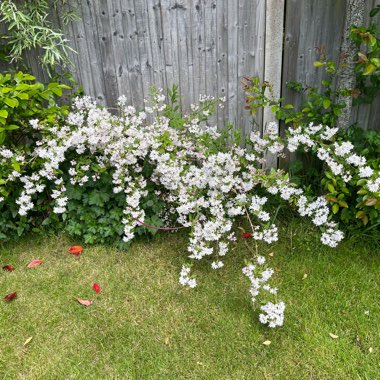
(144, 325)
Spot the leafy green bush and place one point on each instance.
(350, 194)
(28, 110)
(352, 201)
(22, 100)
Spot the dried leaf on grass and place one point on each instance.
(9, 268)
(10, 297)
(28, 341)
(34, 264)
(85, 303)
(76, 250)
(96, 287)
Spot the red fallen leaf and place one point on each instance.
(11, 296)
(34, 263)
(9, 268)
(85, 303)
(246, 235)
(76, 250)
(96, 287)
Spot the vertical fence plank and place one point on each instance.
(198, 48)
(182, 11)
(144, 48)
(90, 45)
(156, 40)
(222, 58)
(104, 15)
(233, 21)
(131, 53)
(251, 54)
(211, 78)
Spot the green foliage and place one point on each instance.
(28, 28)
(319, 104)
(22, 99)
(353, 204)
(367, 68)
(94, 212)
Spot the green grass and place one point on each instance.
(144, 325)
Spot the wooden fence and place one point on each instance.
(204, 46)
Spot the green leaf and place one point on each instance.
(343, 204)
(331, 188)
(16, 166)
(374, 11)
(319, 64)
(326, 103)
(5, 90)
(23, 87)
(288, 106)
(57, 91)
(369, 69)
(375, 61)
(370, 201)
(335, 208)
(4, 113)
(11, 127)
(22, 95)
(372, 40)
(11, 102)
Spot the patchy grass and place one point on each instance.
(144, 325)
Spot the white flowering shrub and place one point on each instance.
(201, 180)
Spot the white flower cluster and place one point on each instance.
(339, 156)
(205, 190)
(184, 278)
(259, 277)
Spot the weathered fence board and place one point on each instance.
(204, 46)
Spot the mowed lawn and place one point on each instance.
(144, 325)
